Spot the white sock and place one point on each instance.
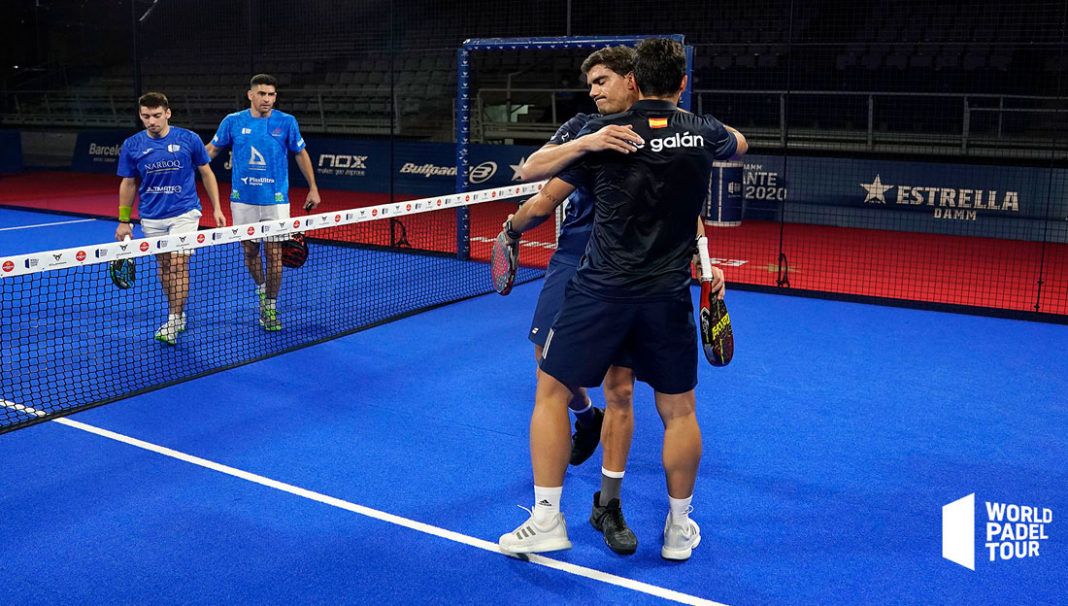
(261, 289)
(176, 318)
(270, 303)
(579, 404)
(680, 510)
(546, 505)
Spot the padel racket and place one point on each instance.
(504, 261)
(123, 272)
(717, 336)
(295, 249)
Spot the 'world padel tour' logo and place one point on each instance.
(1010, 532)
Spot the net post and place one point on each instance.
(463, 144)
(685, 99)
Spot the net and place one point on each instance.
(71, 339)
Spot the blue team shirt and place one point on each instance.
(578, 212)
(261, 146)
(165, 168)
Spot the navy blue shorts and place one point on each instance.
(557, 275)
(657, 338)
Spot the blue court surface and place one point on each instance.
(24, 232)
(382, 466)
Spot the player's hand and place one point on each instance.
(507, 239)
(718, 286)
(312, 200)
(220, 218)
(123, 231)
(506, 227)
(614, 137)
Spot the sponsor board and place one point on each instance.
(98, 151)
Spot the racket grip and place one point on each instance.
(706, 262)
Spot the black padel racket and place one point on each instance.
(123, 272)
(295, 251)
(717, 336)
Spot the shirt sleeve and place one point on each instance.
(294, 141)
(578, 173)
(127, 163)
(222, 136)
(569, 130)
(724, 143)
(197, 152)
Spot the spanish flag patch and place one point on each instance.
(658, 122)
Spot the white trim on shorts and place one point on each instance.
(182, 224)
(244, 214)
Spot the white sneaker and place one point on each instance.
(168, 333)
(181, 323)
(530, 538)
(680, 539)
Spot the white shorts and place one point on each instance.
(244, 214)
(182, 224)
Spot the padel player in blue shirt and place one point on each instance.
(631, 294)
(158, 164)
(610, 74)
(262, 139)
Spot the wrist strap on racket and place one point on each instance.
(511, 233)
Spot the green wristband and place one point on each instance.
(124, 214)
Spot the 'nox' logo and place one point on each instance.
(341, 161)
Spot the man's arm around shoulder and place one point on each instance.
(552, 158)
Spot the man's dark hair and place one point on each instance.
(153, 100)
(659, 67)
(264, 79)
(619, 59)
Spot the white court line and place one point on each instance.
(22, 409)
(582, 571)
(46, 224)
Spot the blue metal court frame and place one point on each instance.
(463, 97)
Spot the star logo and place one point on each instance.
(515, 169)
(876, 191)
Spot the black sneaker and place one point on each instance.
(609, 520)
(586, 437)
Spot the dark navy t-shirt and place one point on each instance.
(578, 210)
(646, 203)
